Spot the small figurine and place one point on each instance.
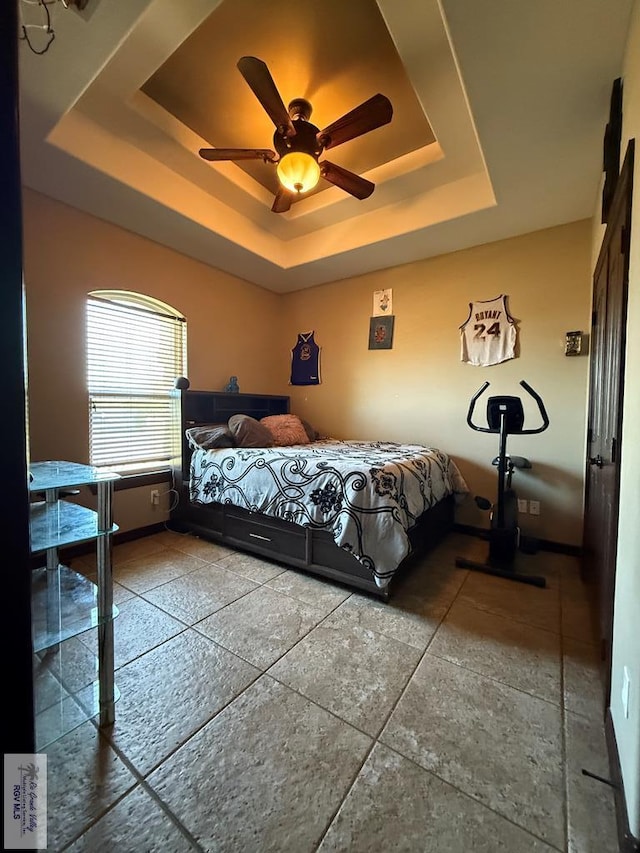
(232, 386)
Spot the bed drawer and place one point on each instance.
(260, 534)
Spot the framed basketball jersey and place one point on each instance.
(488, 335)
(305, 361)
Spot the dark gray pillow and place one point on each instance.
(210, 436)
(312, 434)
(248, 432)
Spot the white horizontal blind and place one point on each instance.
(134, 356)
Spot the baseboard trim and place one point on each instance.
(470, 530)
(139, 533)
(560, 547)
(543, 544)
(627, 841)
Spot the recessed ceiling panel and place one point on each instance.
(335, 54)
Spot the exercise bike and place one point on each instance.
(505, 416)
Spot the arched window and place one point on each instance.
(136, 347)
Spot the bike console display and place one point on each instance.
(511, 408)
(508, 408)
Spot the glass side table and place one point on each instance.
(64, 603)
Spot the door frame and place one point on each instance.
(618, 227)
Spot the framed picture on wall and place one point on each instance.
(383, 303)
(381, 332)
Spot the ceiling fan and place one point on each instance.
(298, 143)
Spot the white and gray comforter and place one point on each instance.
(365, 494)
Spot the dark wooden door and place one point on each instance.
(605, 413)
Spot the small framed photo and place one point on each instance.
(383, 303)
(381, 332)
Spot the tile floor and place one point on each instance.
(266, 710)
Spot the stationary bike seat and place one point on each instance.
(516, 461)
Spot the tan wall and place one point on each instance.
(419, 391)
(67, 254)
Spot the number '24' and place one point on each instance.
(480, 328)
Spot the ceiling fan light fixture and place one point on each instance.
(298, 143)
(298, 171)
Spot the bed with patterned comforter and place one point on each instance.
(367, 495)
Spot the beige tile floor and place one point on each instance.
(263, 709)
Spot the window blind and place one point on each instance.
(134, 354)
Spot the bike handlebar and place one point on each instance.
(472, 405)
(529, 390)
(541, 409)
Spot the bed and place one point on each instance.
(354, 512)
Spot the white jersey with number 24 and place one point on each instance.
(488, 335)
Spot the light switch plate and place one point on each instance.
(573, 343)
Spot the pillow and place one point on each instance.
(312, 434)
(285, 430)
(209, 436)
(248, 432)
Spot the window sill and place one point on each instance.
(135, 481)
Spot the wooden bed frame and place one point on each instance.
(300, 547)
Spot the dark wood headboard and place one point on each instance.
(216, 407)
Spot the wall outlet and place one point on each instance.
(522, 505)
(155, 497)
(626, 690)
(534, 507)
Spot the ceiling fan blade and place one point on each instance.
(283, 201)
(368, 116)
(259, 78)
(265, 154)
(348, 181)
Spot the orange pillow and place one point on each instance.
(286, 430)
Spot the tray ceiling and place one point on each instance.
(497, 127)
(203, 89)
